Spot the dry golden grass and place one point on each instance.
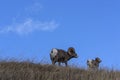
(13, 70)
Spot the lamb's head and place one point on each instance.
(72, 53)
(98, 60)
(93, 63)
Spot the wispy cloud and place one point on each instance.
(29, 26)
(27, 22)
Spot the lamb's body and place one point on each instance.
(61, 56)
(93, 64)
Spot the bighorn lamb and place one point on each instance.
(93, 64)
(61, 56)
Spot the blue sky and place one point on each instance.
(29, 29)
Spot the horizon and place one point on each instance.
(29, 29)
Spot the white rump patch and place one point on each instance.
(54, 52)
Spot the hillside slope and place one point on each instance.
(14, 70)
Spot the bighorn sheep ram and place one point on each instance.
(93, 64)
(62, 56)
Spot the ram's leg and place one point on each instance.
(59, 64)
(66, 64)
(53, 62)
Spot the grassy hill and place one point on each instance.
(13, 70)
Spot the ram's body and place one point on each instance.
(62, 56)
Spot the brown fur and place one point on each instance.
(63, 56)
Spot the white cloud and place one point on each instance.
(29, 26)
